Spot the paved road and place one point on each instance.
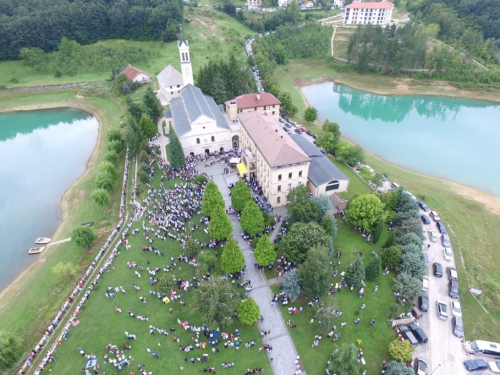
(284, 354)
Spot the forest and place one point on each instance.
(43, 23)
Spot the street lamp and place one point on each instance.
(435, 369)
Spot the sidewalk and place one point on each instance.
(284, 353)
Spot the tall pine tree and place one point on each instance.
(176, 153)
(232, 259)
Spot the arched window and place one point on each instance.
(198, 141)
(213, 138)
(183, 58)
(332, 185)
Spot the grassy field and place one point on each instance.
(356, 185)
(374, 340)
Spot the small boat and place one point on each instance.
(43, 240)
(36, 250)
(88, 223)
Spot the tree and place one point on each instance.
(151, 102)
(398, 368)
(391, 257)
(291, 285)
(377, 179)
(351, 154)
(83, 236)
(232, 259)
(301, 208)
(170, 32)
(191, 248)
(390, 240)
(315, 271)
(107, 167)
(287, 105)
(330, 138)
(10, 350)
(411, 248)
(33, 57)
(69, 269)
(167, 284)
(409, 239)
(176, 152)
(100, 197)
(413, 225)
(215, 302)
(104, 180)
(401, 351)
(248, 311)
(365, 211)
(374, 269)
(147, 126)
(326, 316)
(121, 80)
(134, 136)
(300, 238)
(264, 251)
(212, 198)
(220, 226)
(324, 203)
(413, 264)
(328, 224)
(205, 262)
(310, 114)
(115, 146)
(252, 220)
(378, 231)
(355, 272)
(111, 156)
(344, 360)
(407, 285)
(240, 195)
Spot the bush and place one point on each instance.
(248, 311)
(83, 236)
(111, 156)
(200, 178)
(104, 180)
(108, 167)
(100, 197)
(115, 146)
(401, 351)
(114, 135)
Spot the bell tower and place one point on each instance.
(187, 70)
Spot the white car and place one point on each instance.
(494, 366)
(433, 236)
(456, 310)
(448, 254)
(441, 310)
(435, 216)
(425, 284)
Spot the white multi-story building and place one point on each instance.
(368, 13)
(254, 4)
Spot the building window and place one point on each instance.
(178, 85)
(264, 108)
(278, 200)
(198, 141)
(273, 106)
(213, 138)
(299, 183)
(300, 173)
(290, 175)
(289, 186)
(279, 177)
(255, 108)
(332, 185)
(279, 187)
(273, 113)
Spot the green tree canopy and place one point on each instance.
(310, 114)
(291, 285)
(232, 259)
(413, 264)
(104, 180)
(391, 257)
(215, 302)
(344, 360)
(355, 272)
(409, 239)
(377, 233)
(83, 236)
(315, 272)
(240, 195)
(330, 138)
(220, 226)
(301, 208)
(264, 251)
(248, 311)
(398, 368)
(365, 211)
(351, 154)
(326, 315)
(147, 126)
(390, 240)
(100, 197)
(176, 152)
(300, 238)
(151, 102)
(328, 224)
(69, 270)
(401, 351)
(407, 285)
(10, 350)
(212, 198)
(191, 248)
(167, 284)
(111, 156)
(134, 136)
(374, 269)
(251, 219)
(107, 167)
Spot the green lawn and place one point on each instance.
(374, 340)
(356, 185)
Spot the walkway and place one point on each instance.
(162, 140)
(284, 354)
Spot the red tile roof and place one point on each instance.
(250, 100)
(132, 72)
(376, 5)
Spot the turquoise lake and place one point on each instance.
(450, 138)
(42, 153)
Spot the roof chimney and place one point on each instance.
(258, 96)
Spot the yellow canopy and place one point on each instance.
(241, 168)
(166, 300)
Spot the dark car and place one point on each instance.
(298, 131)
(458, 326)
(309, 133)
(409, 335)
(419, 333)
(441, 228)
(314, 136)
(423, 206)
(475, 365)
(423, 302)
(425, 219)
(437, 269)
(453, 288)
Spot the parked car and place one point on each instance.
(425, 284)
(420, 366)
(426, 259)
(423, 302)
(302, 128)
(425, 219)
(494, 366)
(423, 206)
(453, 288)
(419, 333)
(452, 273)
(475, 365)
(298, 131)
(406, 332)
(445, 240)
(433, 236)
(458, 326)
(315, 136)
(435, 216)
(309, 133)
(448, 254)
(437, 269)
(441, 228)
(441, 310)
(288, 125)
(456, 309)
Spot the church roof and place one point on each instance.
(190, 105)
(273, 142)
(254, 100)
(321, 169)
(170, 77)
